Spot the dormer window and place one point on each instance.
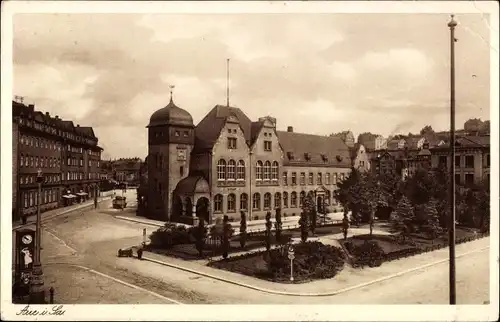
(307, 156)
(324, 158)
(339, 158)
(290, 155)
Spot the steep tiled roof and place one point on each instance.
(209, 128)
(85, 130)
(482, 141)
(333, 148)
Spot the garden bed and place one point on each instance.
(376, 249)
(313, 260)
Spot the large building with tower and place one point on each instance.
(228, 163)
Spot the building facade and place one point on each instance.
(472, 159)
(228, 163)
(57, 149)
(360, 158)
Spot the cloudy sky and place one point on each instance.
(320, 73)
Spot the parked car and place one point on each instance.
(119, 202)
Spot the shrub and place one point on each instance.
(368, 253)
(278, 225)
(170, 235)
(304, 226)
(313, 260)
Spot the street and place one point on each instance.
(80, 261)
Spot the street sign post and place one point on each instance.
(291, 257)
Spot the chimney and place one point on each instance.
(426, 145)
(289, 129)
(57, 117)
(78, 125)
(47, 114)
(31, 107)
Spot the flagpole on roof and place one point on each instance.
(227, 82)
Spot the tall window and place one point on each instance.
(241, 170)
(256, 201)
(335, 178)
(267, 201)
(320, 178)
(469, 161)
(231, 143)
(274, 171)
(277, 200)
(285, 178)
(457, 178)
(293, 199)
(231, 202)
(311, 178)
(443, 160)
(285, 199)
(469, 179)
(294, 178)
(457, 161)
(258, 172)
(327, 178)
(267, 145)
(244, 201)
(221, 170)
(302, 178)
(218, 199)
(327, 197)
(302, 197)
(231, 170)
(267, 170)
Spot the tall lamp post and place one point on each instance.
(37, 291)
(451, 239)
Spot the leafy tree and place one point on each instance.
(426, 130)
(304, 226)
(403, 217)
(225, 236)
(278, 225)
(243, 229)
(432, 219)
(269, 225)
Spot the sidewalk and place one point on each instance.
(31, 220)
(348, 279)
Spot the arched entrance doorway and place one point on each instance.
(202, 209)
(176, 208)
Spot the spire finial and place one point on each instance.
(227, 67)
(171, 93)
(452, 23)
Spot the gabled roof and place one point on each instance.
(208, 130)
(393, 144)
(482, 141)
(412, 142)
(333, 148)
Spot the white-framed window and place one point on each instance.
(293, 199)
(243, 201)
(267, 201)
(221, 170)
(302, 197)
(240, 171)
(267, 170)
(258, 172)
(285, 199)
(285, 178)
(274, 171)
(231, 202)
(277, 200)
(256, 201)
(320, 178)
(231, 170)
(327, 178)
(218, 200)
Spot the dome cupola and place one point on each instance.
(171, 115)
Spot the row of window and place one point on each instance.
(30, 179)
(329, 178)
(284, 200)
(40, 143)
(230, 170)
(39, 161)
(52, 130)
(79, 162)
(469, 160)
(80, 176)
(30, 199)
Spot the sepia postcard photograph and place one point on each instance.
(234, 160)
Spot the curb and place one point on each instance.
(138, 221)
(310, 294)
(64, 212)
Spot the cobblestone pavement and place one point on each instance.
(93, 238)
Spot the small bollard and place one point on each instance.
(51, 290)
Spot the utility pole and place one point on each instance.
(37, 291)
(451, 238)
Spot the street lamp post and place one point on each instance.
(37, 291)
(451, 239)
